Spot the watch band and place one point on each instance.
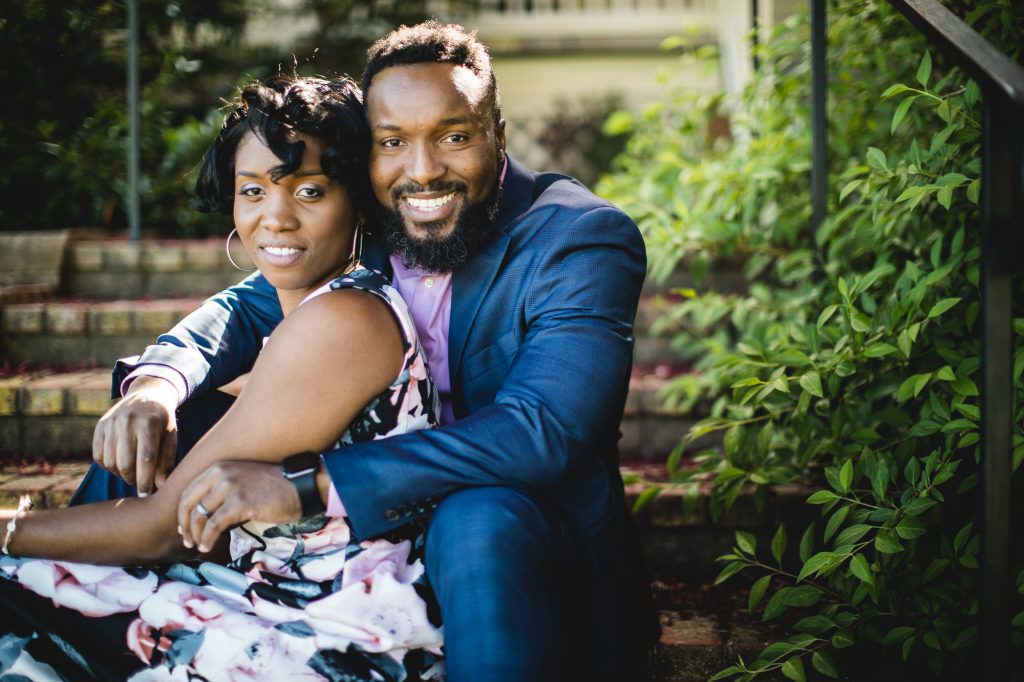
(301, 470)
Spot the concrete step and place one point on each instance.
(50, 414)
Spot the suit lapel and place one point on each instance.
(472, 281)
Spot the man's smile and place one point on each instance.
(429, 209)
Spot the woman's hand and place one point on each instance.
(233, 492)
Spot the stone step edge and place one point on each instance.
(51, 486)
(107, 318)
(86, 392)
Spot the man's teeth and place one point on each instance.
(280, 250)
(430, 204)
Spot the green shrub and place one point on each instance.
(852, 360)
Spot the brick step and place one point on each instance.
(46, 415)
(87, 332)
(82, 333)
(121, 269)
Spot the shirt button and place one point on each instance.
(428, 282)
(391, 515)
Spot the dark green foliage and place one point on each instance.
(852, 361)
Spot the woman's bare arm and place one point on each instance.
(322, 365)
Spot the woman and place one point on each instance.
(304, 600)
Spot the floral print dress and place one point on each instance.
(299, 601)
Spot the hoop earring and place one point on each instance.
(227, 250)
(356, 260)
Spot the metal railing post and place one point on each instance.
(132, 94)
(819, 113)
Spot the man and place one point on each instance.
(524, 288)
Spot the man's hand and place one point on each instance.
(137, 438)
(230, 493)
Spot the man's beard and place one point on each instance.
(432, 253)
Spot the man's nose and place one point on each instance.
(425, 165)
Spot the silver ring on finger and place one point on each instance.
(203, 510)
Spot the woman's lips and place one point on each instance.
(281, 255)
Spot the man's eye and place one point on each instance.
(456, 138)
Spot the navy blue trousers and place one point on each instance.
(500, 563)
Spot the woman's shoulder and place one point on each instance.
(376, 283)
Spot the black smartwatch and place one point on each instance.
(301, 470)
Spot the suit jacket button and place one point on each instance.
(391, 515)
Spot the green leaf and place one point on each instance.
(729, 571)
(814, 625)
(910, 527)
(852, 534)
(897, 635)
(822, 497)
(945, 374)
(779, 543)
(757, 591)
(965, 386)
(846, 475)
(815, 564)
(811, 382)
(895, 89)
(945, 197)
(827, 313)
(876, 159)
(959, 425)
(849, 187)
(842, 639)
(924, 71)
(901, 112)
(793, 669)
(952, 180)
(835, 522)
(905, 343)
(934, 570)
(887, 543)
(973, 191)
(880, 349)
(912, 386)
(645, 497)
(746, 542)
(859, 568)
(723, 674)
(942, 306)
(823, 663)
(807, 543)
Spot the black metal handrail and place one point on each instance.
(1002, 213)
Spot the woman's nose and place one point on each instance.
(279, 214)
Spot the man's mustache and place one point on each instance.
(399, 191)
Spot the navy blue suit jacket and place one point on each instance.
(540, 351)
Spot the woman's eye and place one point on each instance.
(390, 142)
(310, 192)
(250, 191)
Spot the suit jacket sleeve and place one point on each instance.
(561, 394)
(215, 343)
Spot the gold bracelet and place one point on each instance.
(23, 506)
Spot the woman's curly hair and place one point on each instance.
(275, 109)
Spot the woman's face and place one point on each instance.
(298, 230)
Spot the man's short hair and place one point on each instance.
(432, 41)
